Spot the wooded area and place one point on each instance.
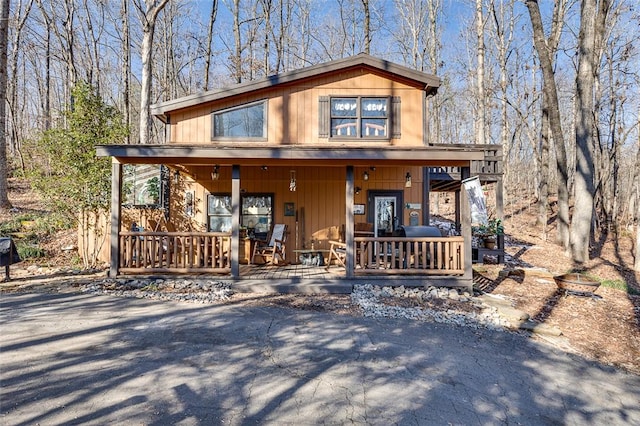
(553, 82)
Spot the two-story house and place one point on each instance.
(335, 158)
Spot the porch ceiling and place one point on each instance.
(291, 155)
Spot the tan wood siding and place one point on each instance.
(292, 116)
(319, 199)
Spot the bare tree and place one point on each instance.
(12, 86)
(592, 27)
(4, 36)
(481, 104)
(552, 108)
(207, 56)
(148, 16)
(367, 26)
(125, 67)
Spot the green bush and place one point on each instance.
(27, 250)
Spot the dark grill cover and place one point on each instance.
(8, 252)
(417, 231)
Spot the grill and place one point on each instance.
(417, 231)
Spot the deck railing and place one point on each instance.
(404, 255)
(180, 252)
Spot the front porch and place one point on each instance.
(413, 261)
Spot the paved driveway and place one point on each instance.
(79, 359)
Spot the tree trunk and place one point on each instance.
(126, 68)
(636, 183)
(481, 118)
(149, 16)
(4, 35)
(237, 59)
(555, 123)
(367, 26)
(591, 27)
(207, 58)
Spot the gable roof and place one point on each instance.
(428, 82)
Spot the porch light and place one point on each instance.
(292, 181)
(407, 182)
(264, 168)
(215, 175)
(365, 176)
(176, 177)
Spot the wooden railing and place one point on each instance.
(400, 255)
(180, 252)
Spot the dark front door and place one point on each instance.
(385, 211)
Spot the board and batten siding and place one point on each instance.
(292, 116)
(319, 199)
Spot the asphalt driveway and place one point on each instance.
(79, 359)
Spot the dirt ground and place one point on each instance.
(605, 327)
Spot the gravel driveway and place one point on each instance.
(86, 359)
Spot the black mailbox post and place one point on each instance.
(8, 255)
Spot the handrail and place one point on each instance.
(410, 255)
(185, 252)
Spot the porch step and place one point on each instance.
(288, 286)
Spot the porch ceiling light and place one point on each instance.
(365, 176)
(407, 182)
(215, 175)
(292, 181)
(176, 177)
(358, 189)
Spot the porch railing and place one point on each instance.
(409, 255)
(180, 252)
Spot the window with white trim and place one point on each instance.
(360, 117)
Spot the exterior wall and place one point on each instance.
(319, 199)
(293, 111)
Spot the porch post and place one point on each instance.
(235, 221)
(465, 213)
(116, 205)
(426, 190)
(349, 227)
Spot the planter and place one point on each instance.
(577, 283)
(489, 242)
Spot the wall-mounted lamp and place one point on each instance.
(215, 175)
(358, 189)
(176, 177)
(407, 182)
(365, 176)
(292, 181)
(264, 168)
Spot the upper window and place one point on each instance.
(247, 121)
(360, 117)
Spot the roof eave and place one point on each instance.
(430, 82)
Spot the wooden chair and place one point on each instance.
(275, 249)
(337, 250)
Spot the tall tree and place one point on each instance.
(481, 102)
(148, 17)
(207, 55)
(367, 26)
(125, 67)
(552, 106)
(4, 36)
(592, 27)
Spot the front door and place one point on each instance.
(385, 211)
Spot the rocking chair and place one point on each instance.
(273, 250)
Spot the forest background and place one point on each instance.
(556, 83)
